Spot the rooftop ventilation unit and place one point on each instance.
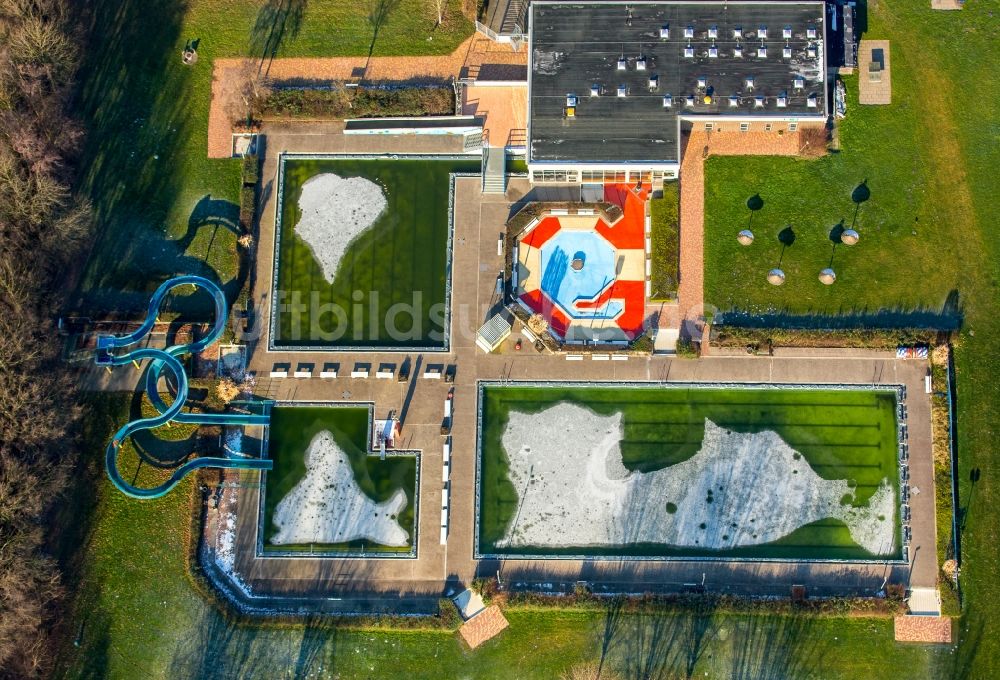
(734, 101)
(595, 90)
(782, 100)
(786, 32)
(689, 52)
(811, 32)
(702, 82)
(738, 52)
(762, 32)
(762, 52)
(689, 100)
(799, 83)
(758, 102)
(622, 91)
(812, 101)
(811, 51)
(665, 31)
(654, 81)
(668, 101)
(737, 31)
(689, 31)
(622, 64)
(571, 100)
(713, 52)
(749, 82)
(786, 52)
(713, 32)
(640, 64)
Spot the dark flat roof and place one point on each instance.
(576, 45)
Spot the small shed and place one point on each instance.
(493, 332)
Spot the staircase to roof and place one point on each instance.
(494, 170)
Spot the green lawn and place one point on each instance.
(842, 435)
(291, 430)
(900, 222)
(390, 288)
(162, 206)
(665, 244)
(930, 159)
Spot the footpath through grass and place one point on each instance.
(163, 208)
(930, 159)
(293, 428)
(840, 434)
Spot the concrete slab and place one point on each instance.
(874, 73)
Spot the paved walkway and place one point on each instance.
(467, 58)
(700, 145)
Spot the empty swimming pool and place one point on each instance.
(577, 268)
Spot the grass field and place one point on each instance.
(930, 159)
(401, 261)
(841, 434)
(291, 430)
(898, 222)
(163, 208)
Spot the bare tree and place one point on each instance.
(251, 91)
(439, 6)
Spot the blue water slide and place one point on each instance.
(161, 359)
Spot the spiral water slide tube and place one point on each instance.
(167, 359)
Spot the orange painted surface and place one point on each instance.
(545, 230)
(630, 231)
(541, 304)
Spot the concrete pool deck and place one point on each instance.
(420, 402)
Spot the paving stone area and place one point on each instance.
(926, 629)
(467, 59)
(874, 87)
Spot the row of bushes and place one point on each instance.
(360, 102)
(248, 191)
(765, 339)
(665, 244)
(582, 598)
(944, 509)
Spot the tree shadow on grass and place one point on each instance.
(135, 102)
(378, 15)
(277, 21)
(664, 643)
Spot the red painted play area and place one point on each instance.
(628, 233)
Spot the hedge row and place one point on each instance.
(360, 102)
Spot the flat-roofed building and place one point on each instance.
(612, 85)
